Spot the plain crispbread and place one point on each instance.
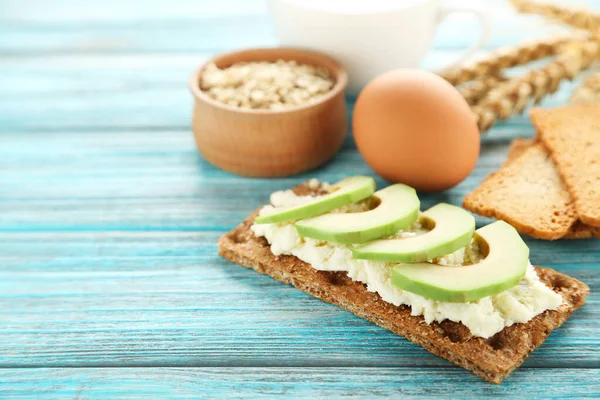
(517, 147)
(491, 359)
(572, 135)
(526, 192)
(578, 230)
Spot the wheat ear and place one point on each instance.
(503, 58)
(582, 19)
(477, 89)
(511, 97)
(589, 91)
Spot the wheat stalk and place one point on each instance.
(511, 97)
(577, 18)
(589, 91)
(505, 58)
(476, 90)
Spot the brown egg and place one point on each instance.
(413, 127)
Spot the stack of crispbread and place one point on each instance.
(549, 187)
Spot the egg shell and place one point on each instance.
(413, 127)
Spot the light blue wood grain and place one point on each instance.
(111, 92)
(34, 27)
(118, 265)
(109, 220)
(291, 383)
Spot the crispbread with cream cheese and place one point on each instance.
(572, 136)
(528, 193)
(578, 230)
(491, 359)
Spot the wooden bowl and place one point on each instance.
(266, 143)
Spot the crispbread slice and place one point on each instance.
(578, 230)
(572, 135)
(528, 193)
(491, 359)
(517, 147)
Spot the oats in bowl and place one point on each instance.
(266, 85)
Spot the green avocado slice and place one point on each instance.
(345, 192)
(507, 257)
(398, 208)
(452, 228)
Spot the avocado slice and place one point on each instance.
(344, 192)
(451, 228)
(504, 265)
(398, 208)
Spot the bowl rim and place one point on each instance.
(339, 86)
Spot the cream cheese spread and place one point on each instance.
(484, 317)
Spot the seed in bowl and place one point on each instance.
(266, 85)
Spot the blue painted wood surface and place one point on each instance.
(110, 284)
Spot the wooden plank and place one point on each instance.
(91, 293)
(66, 12)
(117, 265)
(109, 219)
(178, 35)
(38, 251)
(166, 298)
(291, 383)
(148, 180)
(69, 26)
(116, 92)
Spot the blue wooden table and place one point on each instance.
(110, 282)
